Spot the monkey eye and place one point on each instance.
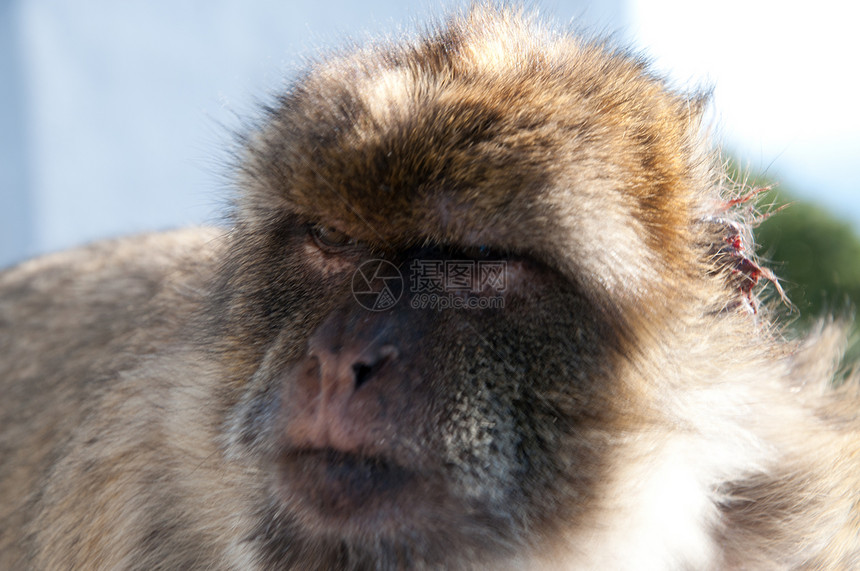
(479, 252)
(327, 237)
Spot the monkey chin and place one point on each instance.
(347, 490)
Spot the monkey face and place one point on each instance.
(444, 423)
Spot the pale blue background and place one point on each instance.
(115, 117)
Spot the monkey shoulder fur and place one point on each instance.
(569, 368)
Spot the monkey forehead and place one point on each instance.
(490, 129)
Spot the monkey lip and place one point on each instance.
(340, 484)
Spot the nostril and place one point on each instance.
(362, 372)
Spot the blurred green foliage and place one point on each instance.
(815, 255)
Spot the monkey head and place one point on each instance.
(519, 205)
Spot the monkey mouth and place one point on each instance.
(337, 484)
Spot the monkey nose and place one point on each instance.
(344, 369)
(328, 409)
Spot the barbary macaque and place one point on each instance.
(487, 301)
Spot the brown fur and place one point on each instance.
(629, 407)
